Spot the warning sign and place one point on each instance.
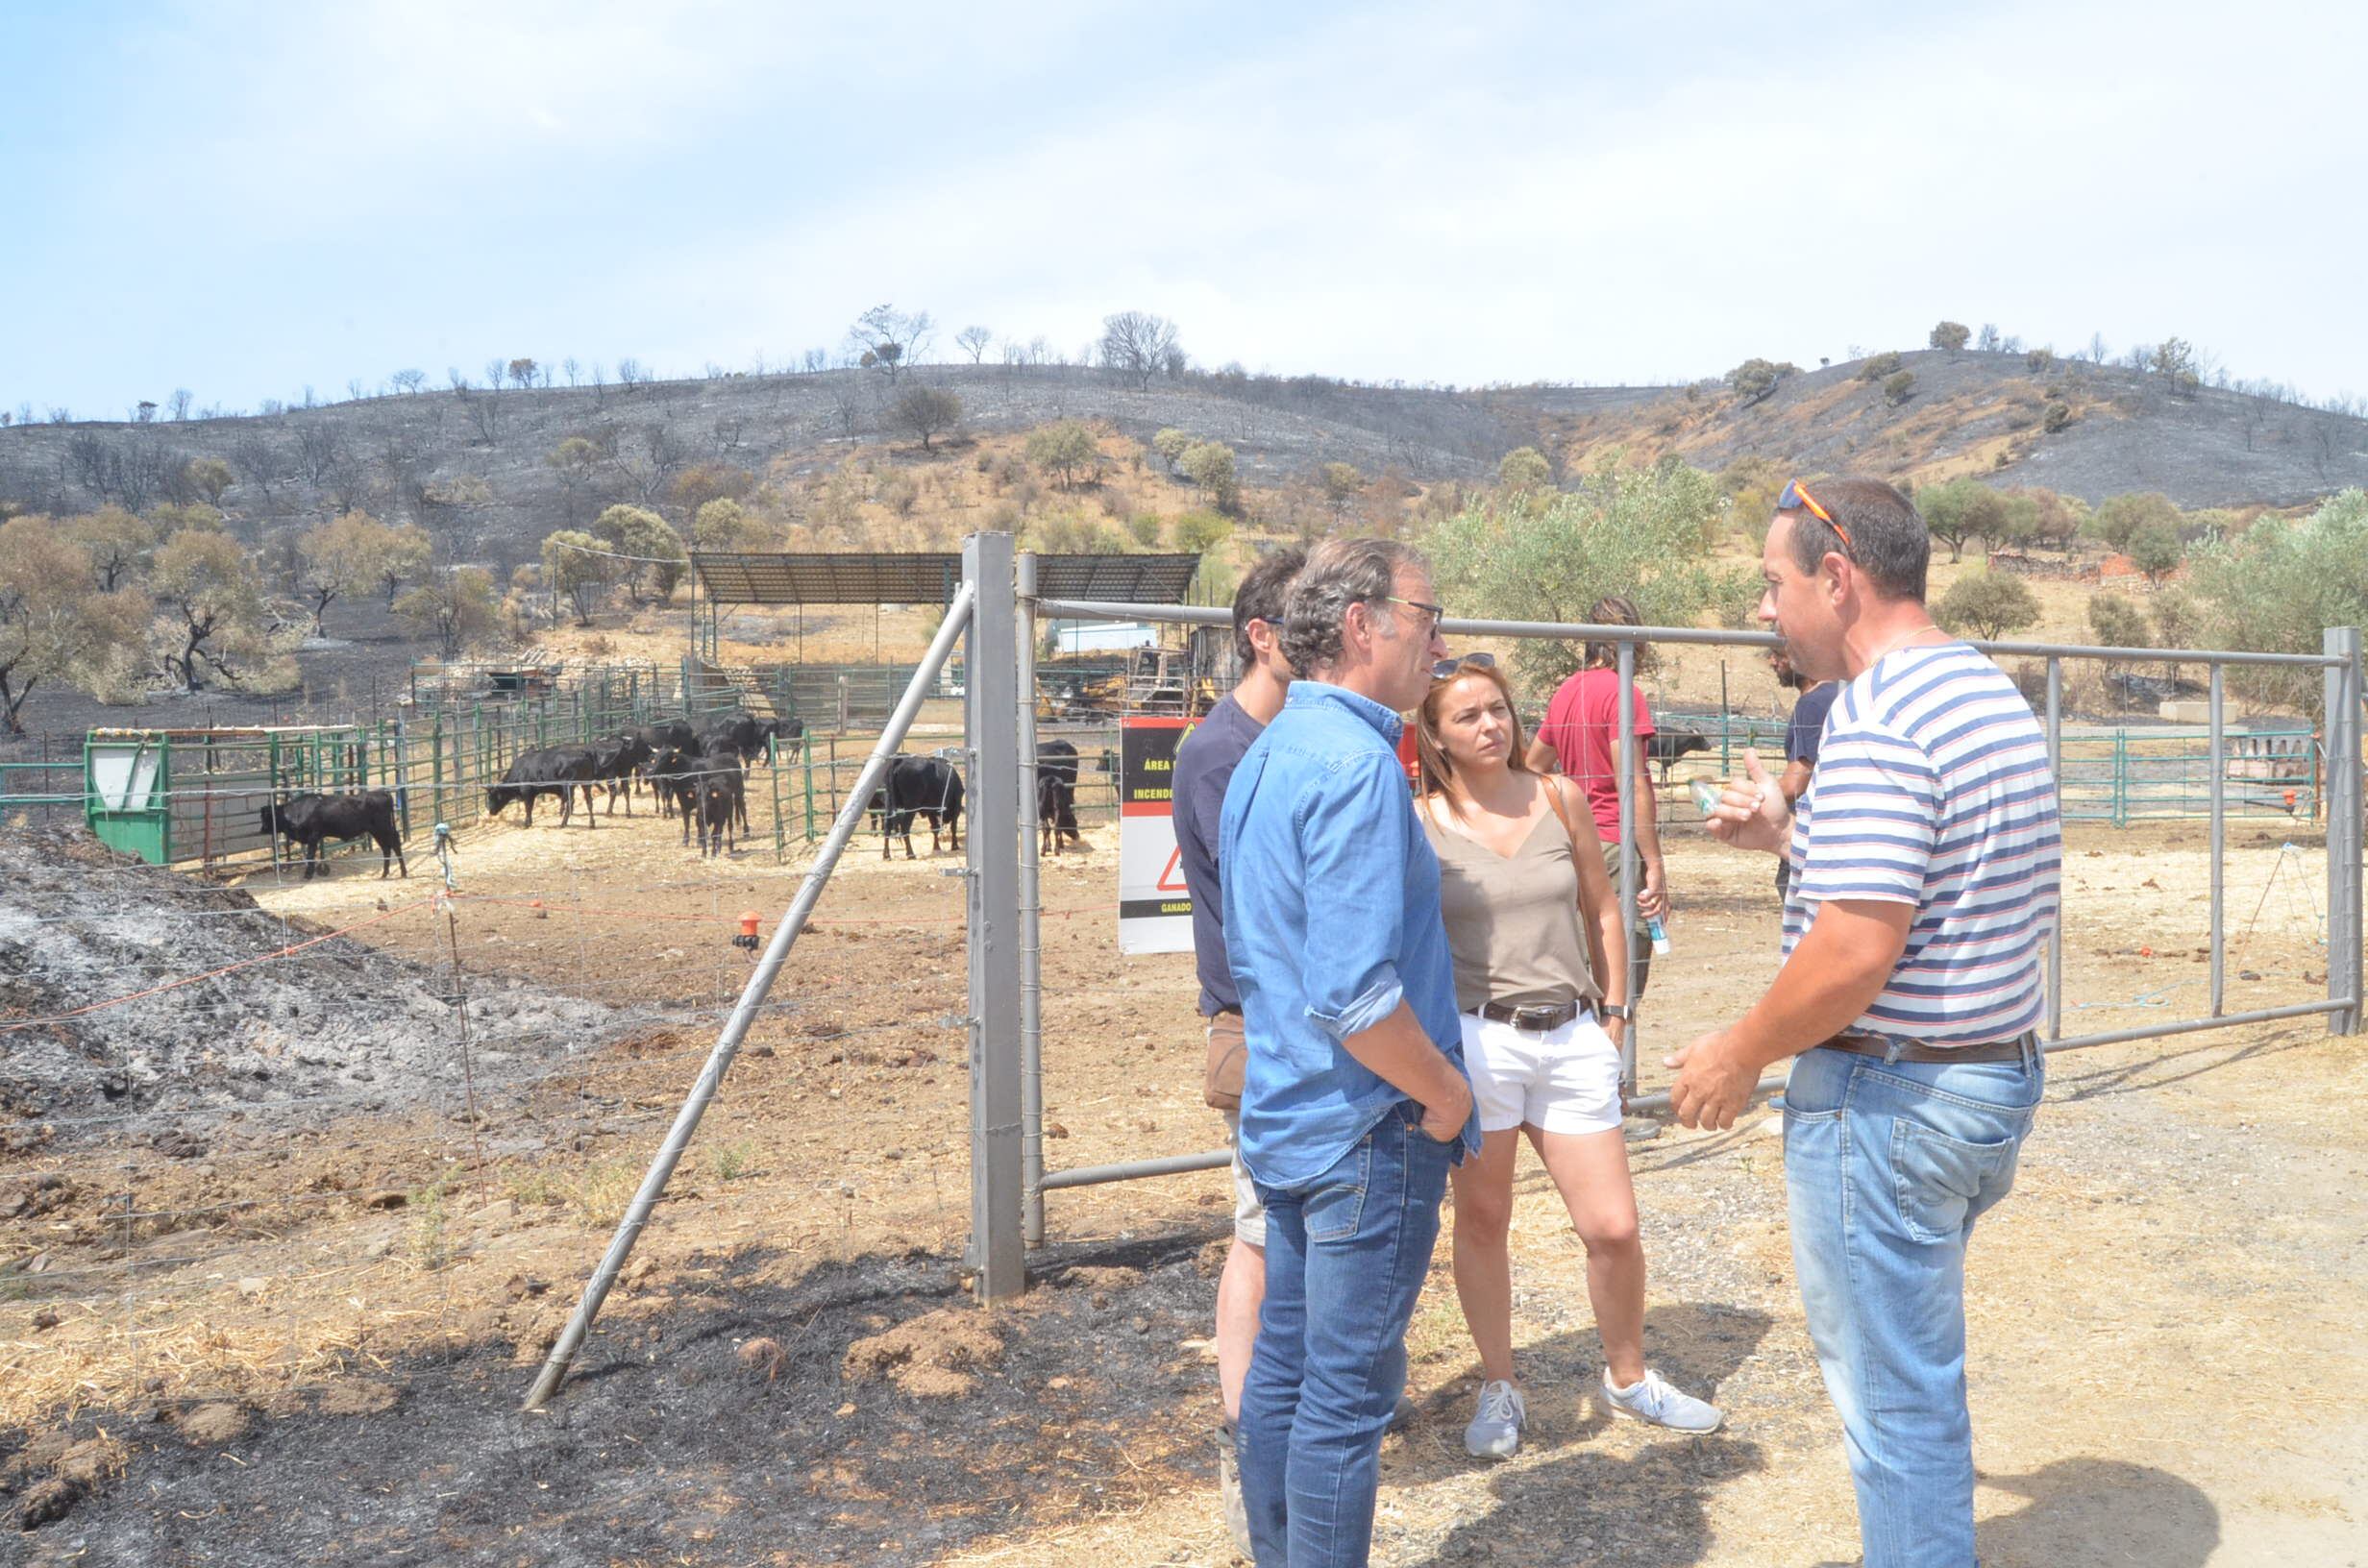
(1155, 907)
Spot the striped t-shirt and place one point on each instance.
(1933, 789)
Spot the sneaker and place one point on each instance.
(1229, 1490)
(1403, 1415)
(1655, 1400)
(1495, 1431)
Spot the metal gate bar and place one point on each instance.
(2343, 796)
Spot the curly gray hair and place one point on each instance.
(1339, 572)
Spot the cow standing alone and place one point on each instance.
(928, 786)
(314, 819)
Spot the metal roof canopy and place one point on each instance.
(926, 577)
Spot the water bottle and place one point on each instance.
(1654, 929)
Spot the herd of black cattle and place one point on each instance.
(699, 773)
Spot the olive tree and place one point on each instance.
(927, 411)
(457, 607)
(1065, 450)
(1209, 464)
(2278, 585)
(656, 551)
(580, 567)
(1641, 533)
(54, 625)
(212, 613)
(1988, 604)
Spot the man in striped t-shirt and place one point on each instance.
(1925, 859)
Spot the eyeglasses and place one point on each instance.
(1446, 668)
(1436, 612)
(1796, 496)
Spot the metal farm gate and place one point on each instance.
(994, 616)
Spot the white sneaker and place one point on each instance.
(1655, 1400)
(1496, 1431)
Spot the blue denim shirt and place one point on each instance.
(1331, 898)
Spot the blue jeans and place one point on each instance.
(1888, 1164)
(1345, 1257)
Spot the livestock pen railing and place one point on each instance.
(2339, 663)
(181, 796)
(2118, 774)
(994, 618)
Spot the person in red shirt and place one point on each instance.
(1580, 737)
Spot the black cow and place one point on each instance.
(711, 799)
(669, 773)
(928, 786)
(724, 766)
(1666, 745)
(675, 732)
(680, 777)
(613, 763)
(553, 770)
(746, 734)
(1056, 796)
(314, 820)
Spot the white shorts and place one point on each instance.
(1566, 1081)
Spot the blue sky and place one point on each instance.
(244, 198)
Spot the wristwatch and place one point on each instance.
(1616, 1010)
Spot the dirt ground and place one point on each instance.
(307, 1342)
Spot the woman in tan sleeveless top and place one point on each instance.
(1529, 922)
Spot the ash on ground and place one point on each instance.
(338, 1027)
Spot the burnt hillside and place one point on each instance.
(1986, 415)
(472, 466)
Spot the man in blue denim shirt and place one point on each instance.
(1355, 1100)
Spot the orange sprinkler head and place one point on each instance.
(748, 922)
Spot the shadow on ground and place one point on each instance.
(1566, 1501)
(881, 1420)
(2099, 1511)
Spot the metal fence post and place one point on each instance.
(2055, 769)
(2218, 749)
(1031, 922)
(2344, 805)
(989, 691)
(1631, 863)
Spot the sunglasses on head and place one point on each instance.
(1797, 497)
(1445, 669)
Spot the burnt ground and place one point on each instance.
(348, 1027)
(338, 1316)
(863, 1414)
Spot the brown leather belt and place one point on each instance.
(2002, 1050)
(1544, 1017)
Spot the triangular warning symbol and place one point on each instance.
(1171, 879)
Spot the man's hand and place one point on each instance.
(1751, 813)
(1444, 1118)
(1715, 1082)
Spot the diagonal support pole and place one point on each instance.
(752, 997)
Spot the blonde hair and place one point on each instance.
(1437, 769)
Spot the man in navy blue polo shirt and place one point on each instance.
(1203, 767)
(1356, 1100)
